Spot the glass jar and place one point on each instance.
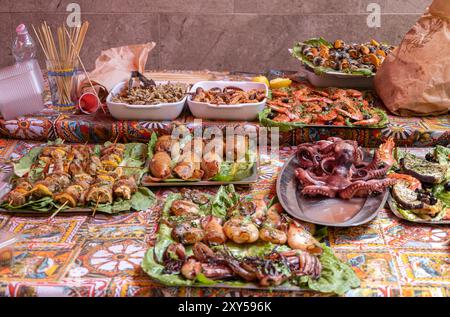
(62, 79)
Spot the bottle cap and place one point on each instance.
(21, 29)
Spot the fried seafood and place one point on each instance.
(101, 192)
(125, 187)
(72, 196)
(228, 96)
(160, 165)
(152, 95)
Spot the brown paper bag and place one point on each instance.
(114, 66)
(415, 78)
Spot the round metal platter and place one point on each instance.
(333, 212)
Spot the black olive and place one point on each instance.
(366, 117)
(285, 100)
(326, 108)
(429, 157)
(426, 185)
(447, 186)
(433, 201)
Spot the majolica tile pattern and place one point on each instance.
(83, 256)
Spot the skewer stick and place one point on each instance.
(58, 210)
(95, 208)
(115, 141)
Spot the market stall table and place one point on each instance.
(83, 256)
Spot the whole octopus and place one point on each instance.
(336, 168)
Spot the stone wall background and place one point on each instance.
(243, 35)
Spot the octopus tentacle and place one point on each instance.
(307, 178)
(363, 188)
(314, 190)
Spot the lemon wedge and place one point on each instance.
(280, 83)
(261, 79)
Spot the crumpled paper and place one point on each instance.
(415, 78)
(114, 66)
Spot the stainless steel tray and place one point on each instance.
(333, 212)
(246, 181)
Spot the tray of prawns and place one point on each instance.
(57, 177)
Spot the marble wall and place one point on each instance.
(244, 35)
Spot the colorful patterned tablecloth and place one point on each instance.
(101, 127)
(83, 256)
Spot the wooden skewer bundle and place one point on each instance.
(62, 59)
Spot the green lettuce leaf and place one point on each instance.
(440, 193)
(336, 277)
(44, 204)
(442, 155)
(225, 198)
(151, 145)
(134, 156)
(163, 241)
(143, 199)
(23, 166)
(316, 42)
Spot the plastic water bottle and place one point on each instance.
(23, 47)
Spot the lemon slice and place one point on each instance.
(261, 79)
(280, 83)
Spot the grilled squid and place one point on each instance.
(298, 238)
(241, 230)
(214, 234)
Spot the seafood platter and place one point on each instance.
(340, 64)
(191, 160)
(227, 100)
(224, 239)
(422, 191)
(78, 178)
(301, 105)
(335, 182)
